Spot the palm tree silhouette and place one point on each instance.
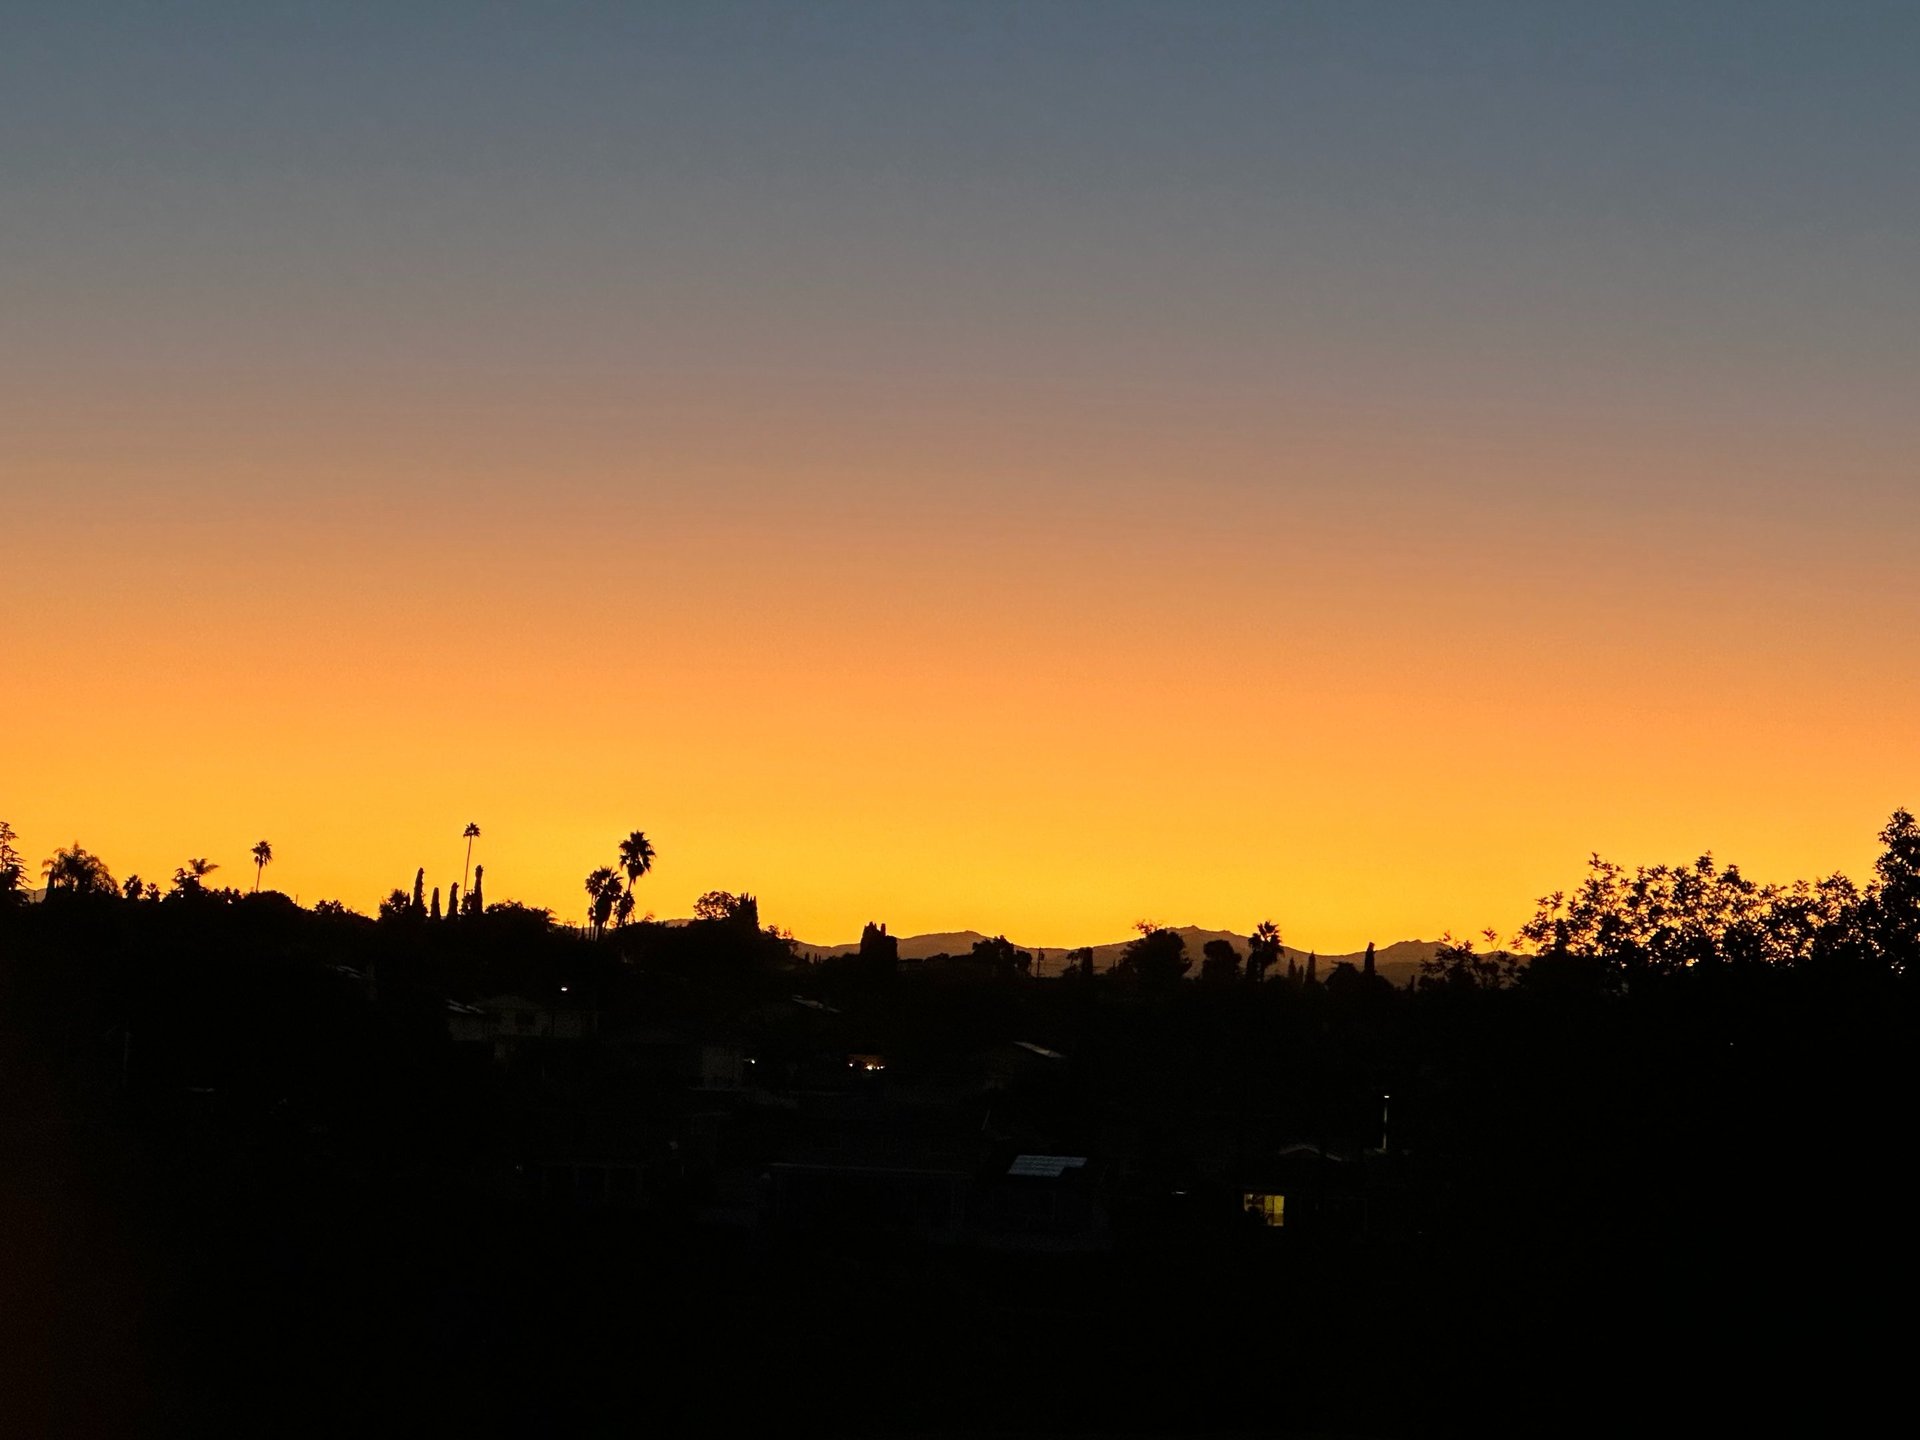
(636, 858)
(78, 870)
(1263, 950)
(187, 879)
(262, 857)
(603, 893)
(472, 832)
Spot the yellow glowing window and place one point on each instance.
(1272, 1209)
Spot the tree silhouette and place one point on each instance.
(190, 878)
(1893, 904)
(1457, 966)
(12, 868)
(476, 897)
(1219, 962)
(78, 872)
(1158, 959)
(879, 952)
(1000, 958)
(603, 893)
(1366, 964)
(420, 891)
(723, 905)
(636, 858)
(262, 857)
(433, 910)
(453, 902)
(472, 833)
(1263, 950)
(1659, 919)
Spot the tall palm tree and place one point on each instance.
(472, 833)
(262, 857)
(636, 858)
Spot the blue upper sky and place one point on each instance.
(1479, 205)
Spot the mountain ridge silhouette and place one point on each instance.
(1395, 961)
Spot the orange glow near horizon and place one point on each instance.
(1042, 711)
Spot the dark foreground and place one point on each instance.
(294, 1204)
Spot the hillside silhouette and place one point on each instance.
(1399, 962)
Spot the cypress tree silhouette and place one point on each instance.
(453, 902)
(433, 912)
(1313, 962)
(475, 904)
(1366, 965)
(419, 891)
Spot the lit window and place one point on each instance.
(1272, 1209)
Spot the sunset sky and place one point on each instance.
(1020, 467)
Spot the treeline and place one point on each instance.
(1617, 928)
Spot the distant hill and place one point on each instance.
(912, 947)
(1397, 962)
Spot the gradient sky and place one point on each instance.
(1021, 467)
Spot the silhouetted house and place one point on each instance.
(587, 1158)
(507, 1021)
(1052, 1203)
(1312, 1191)
(674, 1058)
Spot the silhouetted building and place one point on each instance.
(1050, 1203)
(505, 1021)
